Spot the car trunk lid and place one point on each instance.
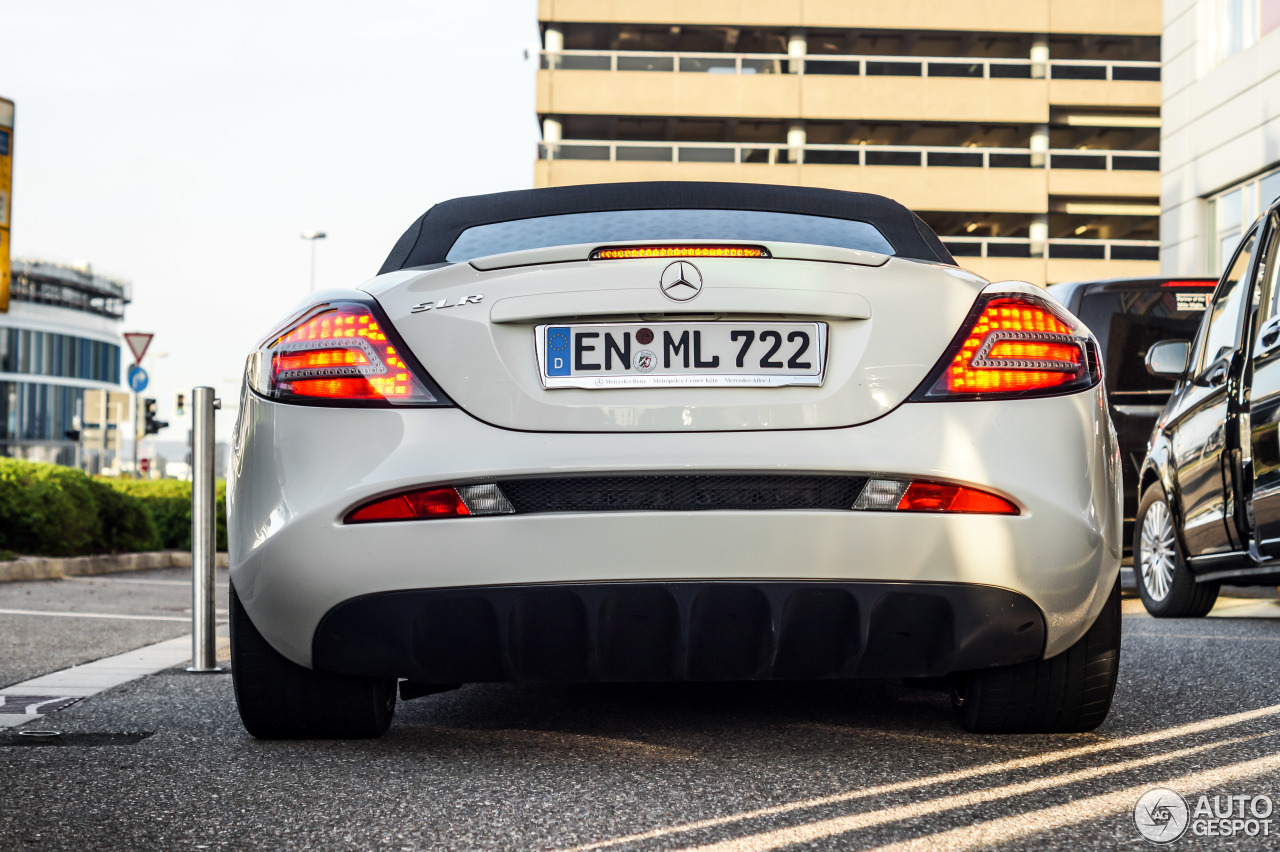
(885, 322)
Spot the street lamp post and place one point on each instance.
(311, 237)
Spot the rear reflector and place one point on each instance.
(939, 497)
(412, 506)
(630, 252)
(428, 503)
(900, 495)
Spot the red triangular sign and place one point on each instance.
(138, 343)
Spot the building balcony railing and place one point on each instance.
(859, 66)
(70, 286)
(849, 155)
(1054, 249)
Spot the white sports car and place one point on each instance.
(673, 431)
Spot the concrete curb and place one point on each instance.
(89, 679)
(57, 568)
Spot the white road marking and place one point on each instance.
(1032, 761)
(826, 828)
(999, 831)
(57, 614)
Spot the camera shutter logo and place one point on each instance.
(1161, 815)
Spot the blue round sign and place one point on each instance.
(137, 379)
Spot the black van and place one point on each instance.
(1128, 315)
(1210, 486)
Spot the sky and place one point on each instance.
(185, 147)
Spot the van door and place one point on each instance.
(1199, 432)
(1261, 457)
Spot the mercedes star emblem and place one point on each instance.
(681, 281)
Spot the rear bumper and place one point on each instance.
(297, 471)
(679, 631)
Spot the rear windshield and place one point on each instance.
(615, 226)
(1127, 322)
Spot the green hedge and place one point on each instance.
(49, 510)
(168, 501)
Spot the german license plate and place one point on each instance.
(681, 354)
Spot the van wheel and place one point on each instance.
(1167, 587)
(279, 699)
(1068, 693)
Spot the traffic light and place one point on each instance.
(151, 424)
(72, 434)
(181, 407)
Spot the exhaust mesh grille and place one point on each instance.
(683, 493)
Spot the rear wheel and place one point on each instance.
(1167, 587)
(279, 699)
(1064, 694)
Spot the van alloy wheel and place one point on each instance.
(1166, 584)
(1157, 551)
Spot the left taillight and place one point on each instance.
(1014, 343)
(341, 353)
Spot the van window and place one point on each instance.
(1127, 323)
(1268, 288)
(1224, 313)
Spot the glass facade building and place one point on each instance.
(59, 339)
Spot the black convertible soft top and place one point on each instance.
(429, 239)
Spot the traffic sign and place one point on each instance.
(138, 342)
(137, 378)
(144, 465)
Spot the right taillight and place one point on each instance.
(923, 495)
(1013, 344)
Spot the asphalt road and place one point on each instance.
(163, 763)
(157, 606)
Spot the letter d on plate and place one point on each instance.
(558, 351)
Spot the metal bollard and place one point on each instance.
(203, 649)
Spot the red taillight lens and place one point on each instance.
(338, 352)
(920, 495)
(412, 506)
(426, 503)
(1016, 344)
(940, 497)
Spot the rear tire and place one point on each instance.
(1068, 693)
(279, 699)
(1167, 587)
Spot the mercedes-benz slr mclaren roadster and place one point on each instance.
(669, 432)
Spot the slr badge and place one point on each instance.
(445, 303)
